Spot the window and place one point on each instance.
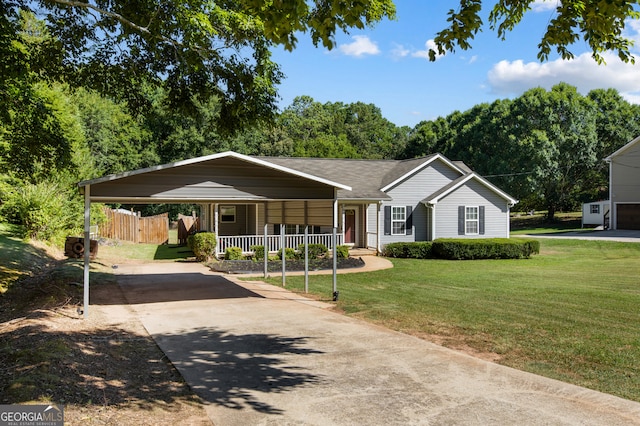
(471, 221)
(291, 229)
(398, 220)
(595, 208)
(227, 214)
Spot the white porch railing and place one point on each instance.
(273, 241)
(372, 240)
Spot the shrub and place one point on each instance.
(496, 248)
(233, 253)
(258, 252)
(342, 252)
(46, 211)
(315, 250)
(461, 249)
(203, 245)
(409, 250)
(289, 253)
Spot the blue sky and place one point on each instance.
(387, 65)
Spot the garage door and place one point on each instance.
(628, 216)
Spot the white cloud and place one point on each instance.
(399, 51)
(430, 44)
(361, 46)
(514, 78)
(544, 5)
(632, 32)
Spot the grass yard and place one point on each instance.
(571, 313)
(18, 259)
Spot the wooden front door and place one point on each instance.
(350, 226)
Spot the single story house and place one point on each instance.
(624, 186)
(246, 199)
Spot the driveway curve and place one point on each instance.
(259, 355)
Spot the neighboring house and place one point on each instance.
(596, 213)
(390, 201)
(367, 203)
(624, 186)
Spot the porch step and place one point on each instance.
(357, 252)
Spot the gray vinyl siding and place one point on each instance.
(472, 194)
(410, 193)
(625, 176)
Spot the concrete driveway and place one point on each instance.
(258, 355)
(621, 235)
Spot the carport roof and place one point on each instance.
(223, 176)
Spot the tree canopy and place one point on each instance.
(545, 148)
(599, 23)
(196, 49)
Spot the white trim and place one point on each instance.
(476, 220)
(420, 167)
(621, 150)
(404, 220)
(466, 179)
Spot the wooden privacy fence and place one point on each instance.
(187, 225)
(131, 227)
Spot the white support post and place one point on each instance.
(284, 257)
(306, 258)
(266, 250)
(87, 248)
(335, 248)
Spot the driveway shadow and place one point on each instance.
(232, 370)
(160, 288)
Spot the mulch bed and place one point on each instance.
(252, 267)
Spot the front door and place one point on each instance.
(350, 226)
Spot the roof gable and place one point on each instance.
(408, 168)
(622, 150)
(461, 181)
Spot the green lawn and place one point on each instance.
(17, 257)
(571, 313)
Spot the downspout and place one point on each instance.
(432, 206)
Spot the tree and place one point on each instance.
(117, 142)
(600, 23)
(198, 48)
(556, 136)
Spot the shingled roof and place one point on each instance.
(367, 178)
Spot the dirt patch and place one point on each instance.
(105, 369)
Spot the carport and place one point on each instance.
(290, 197)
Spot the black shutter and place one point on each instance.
(461, 218)
(276, 229)
(481, 220)
(387, 220)
(408, 226)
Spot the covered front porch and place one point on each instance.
(244, 226)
